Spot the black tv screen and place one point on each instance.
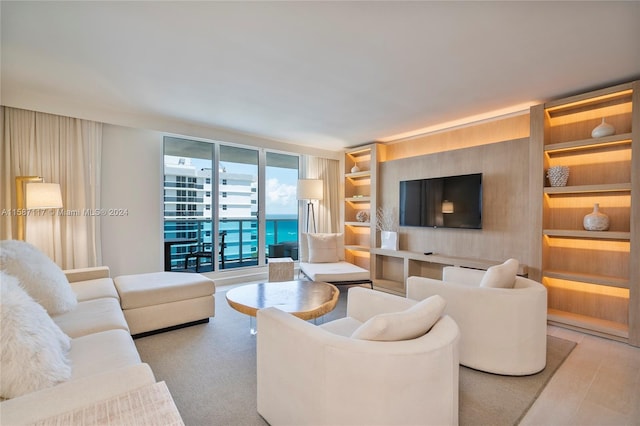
(443, 202)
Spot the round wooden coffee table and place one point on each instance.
(304, 299)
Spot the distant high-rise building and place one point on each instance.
(188, 204)
(187, 190)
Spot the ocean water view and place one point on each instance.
(281, 228)
(241, 237)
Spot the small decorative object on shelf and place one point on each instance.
(355, 168)
(362, 216)
(388, 226)
(558, 175)
(603, 129)
(596, 220)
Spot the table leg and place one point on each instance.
(253, 326)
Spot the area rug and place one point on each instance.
(210, 370)
(490, 399)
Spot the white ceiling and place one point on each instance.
(324, 74)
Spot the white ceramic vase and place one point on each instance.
(603, 129)
(389, 240)
(355, 169)
(596, 220)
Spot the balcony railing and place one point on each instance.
(241, 242)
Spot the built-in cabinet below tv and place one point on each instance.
(393, 267)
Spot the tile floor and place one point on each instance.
(598, 384)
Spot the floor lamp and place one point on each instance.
(33, 193)
(310, 190)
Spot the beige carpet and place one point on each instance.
(489, 399)
(210, 370)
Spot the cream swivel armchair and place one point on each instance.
(502, 317)
(391, 361)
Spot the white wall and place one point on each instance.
(132, 175)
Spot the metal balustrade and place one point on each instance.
(241, 241)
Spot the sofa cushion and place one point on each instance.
(342, 326)
(501, 276)
(334, 272)
(33, 348)
(405, 325)
(74, 394)
(156, 288)
(323, 248)
(94, 289)
(38, 275)
(104, 351)
(92, 316)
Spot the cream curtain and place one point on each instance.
(328, 209)
(61, 150)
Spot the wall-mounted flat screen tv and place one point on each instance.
(443, 202)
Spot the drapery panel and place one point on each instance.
(328, 212)
(61, 150)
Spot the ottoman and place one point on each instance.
(159, 301)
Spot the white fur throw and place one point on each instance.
(33, 349)
(38, 275)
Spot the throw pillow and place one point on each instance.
(340, 246)
(405, 325)
(501, 276)
(38, 275)
(303, 250)
(323, 248)
(33, 353)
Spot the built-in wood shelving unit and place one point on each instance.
(591, 276)
(360, 191)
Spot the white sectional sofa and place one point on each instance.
(100, 358)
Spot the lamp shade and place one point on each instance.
(447, 206)
(310, 189)
(43, 196)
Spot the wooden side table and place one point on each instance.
(280, 269)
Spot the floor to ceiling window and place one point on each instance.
(213, 193)
(238, 197)
(281, 180)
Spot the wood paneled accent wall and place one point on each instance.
(496, 130)
(505, 168)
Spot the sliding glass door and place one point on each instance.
(213, 195)
(238, 194)
(281, 180)
(188, 205)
